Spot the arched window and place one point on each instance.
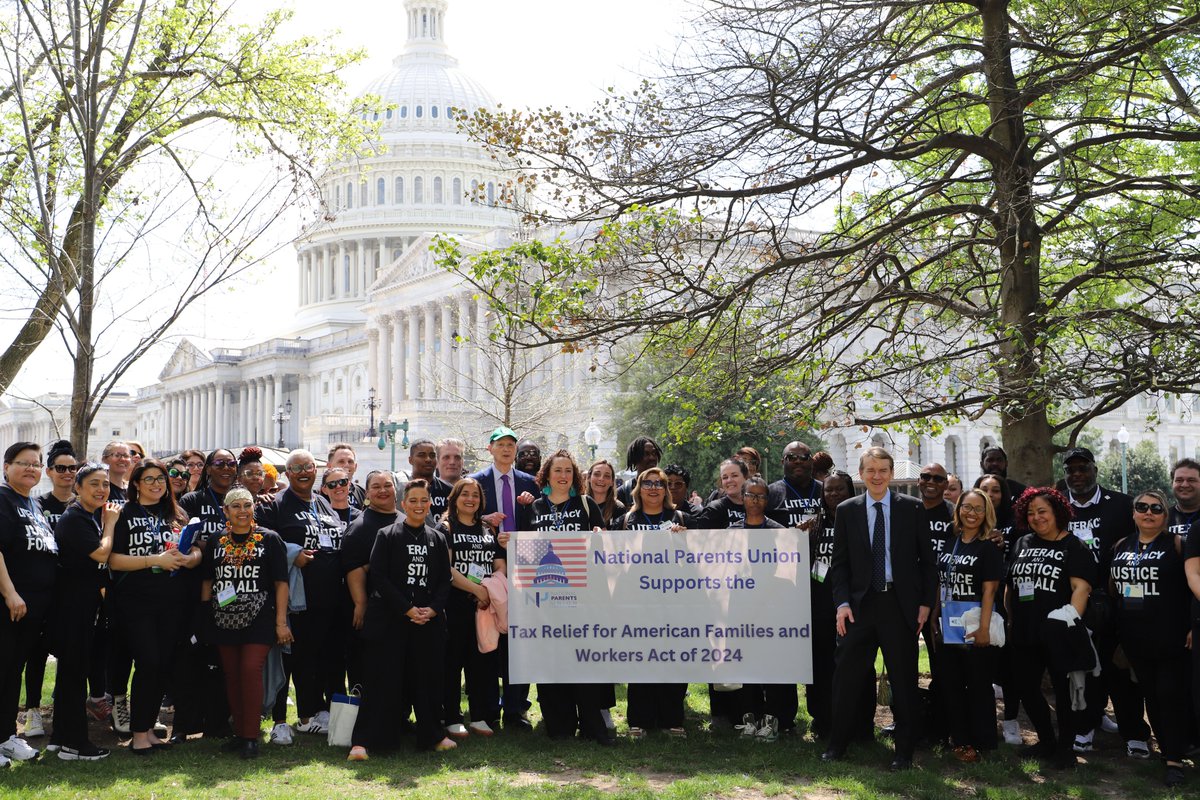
(433, 111)
(349, 195)
(456, 191)
(474, 189)
(399, 191)
(363, 197)
(380, 192)
(491, 193)
(437, 191)
(449, 112)
(337, 197)
(376, 117)
(389, 113)
(418, 190)
(403, 112)
(346, 275)
(420, 111)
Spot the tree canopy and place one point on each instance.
(904, 211)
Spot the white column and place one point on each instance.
(373, 364)
(193, 411)
(179, 412)
(383, 259)
(399, 365)
(413, 381)
(302, 406)
(483, 370)
(446, 358)
(214, 417)
(339, 286)
(205, 418)
(264, 421)
(277, 395)
(384, 362)
(222, 428)
(464, 348)
(269, 409)
(429, 363)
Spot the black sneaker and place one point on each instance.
(87, 752)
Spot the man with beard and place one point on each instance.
(342, 455)
(422, 460)
(1101, 518)
(1185, 486)
(994, 461)
(529, 456)
(796, 496)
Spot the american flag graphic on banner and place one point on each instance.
(552, 563)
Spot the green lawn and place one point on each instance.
(530, 766)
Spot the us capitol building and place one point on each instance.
(376, 313)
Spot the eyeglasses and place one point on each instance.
(254, 473)
(154, 479)
(224, 463)
(972, 510)
(300, 469)
(794, 457)
(929, 477)
(63, 469)
(653, 485)
(1153, 508)
(27, 464)
(178, 473)
(761, 498)
(195, 465)
(338, 484)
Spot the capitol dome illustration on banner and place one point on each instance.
(550, 571)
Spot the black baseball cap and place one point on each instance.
(1079, 452)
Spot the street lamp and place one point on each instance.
(387, 432)
(281, 416)
(372, 404)
(1123, 438)
(592, 437)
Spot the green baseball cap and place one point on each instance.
(501, 432)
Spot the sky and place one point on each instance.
(528, 53)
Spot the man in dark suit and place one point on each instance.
(884, 581)
(507, 493)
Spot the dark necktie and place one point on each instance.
(510, 516)
(879, 552)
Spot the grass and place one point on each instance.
(709, 764)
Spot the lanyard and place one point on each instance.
(812, 490)
(952, 568)
(39, 522)
(217, 503)
(658, 522)
(559, 512)
(1140, 552)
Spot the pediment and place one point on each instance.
(186, 358)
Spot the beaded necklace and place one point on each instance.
(238, 553)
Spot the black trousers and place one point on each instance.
(1163, 680)
(16, 640)
(1031, 662)
(404, 655)
(197, 685)
(98, 673)
(567, 707)
(654, 706)
(74, 628)
(35, 664)
(118, 658)
(1129, 706)
(965, 694)
(318, 658)
(880, 623)
(148, 628)
(482, 672)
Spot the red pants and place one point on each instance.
(243, 666)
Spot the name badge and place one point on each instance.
(1133, 591)
(226, 596)
(819, 570)
(666, 526)
(325, 541)
(476, 573)
(1025, 590)
(1086, 536)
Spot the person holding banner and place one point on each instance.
(654, 706)
(884, 584)
(971, 569)
(567, 707)
(245, 587)
(408, 582)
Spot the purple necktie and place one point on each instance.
(510, 516)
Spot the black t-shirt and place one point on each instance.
(965, 566)
(1039, 579)
(473, 549)
(140, 532)
(1191, 549)
(1151, 594)
(78, 534)
(787, 504)
(29, 548)
(641, 521)
(439, 491)
(820, 549)
(576, 514)
(359, 538)
(941, 527)
(314, 526)
(720, 513)
(117, 494)
(409, 567)
(1102, 525)
(208, 507)
(346, 515)
(1180, 522)
(258, 573)
(52, 508)
(766, 523)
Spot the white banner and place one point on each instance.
(719, 606)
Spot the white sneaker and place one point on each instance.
(480, 728)
(748, 727)
(87, 753)
(322, 718)
(120, 715)
(769, 732)
(457, 731)
(17, 749)
(1011, 729)
(4, 762)
(1109, 725)
(1083, 742)
(281, 734)
(1136, 748)
(312, 726)
(33, 723)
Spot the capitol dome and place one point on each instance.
(423, 177)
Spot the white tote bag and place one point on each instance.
(343, 713)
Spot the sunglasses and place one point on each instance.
(930, 477)
(338, 484)
(224, 463)
(136, 454)
(653, 485)
(63, 469)
(754, 496)
(793, 457)
(1153, 508)
(300, 469)
(178, 473)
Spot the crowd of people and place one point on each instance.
(211, 584)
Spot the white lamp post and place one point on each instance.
(1123, 438)
(592, 436)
